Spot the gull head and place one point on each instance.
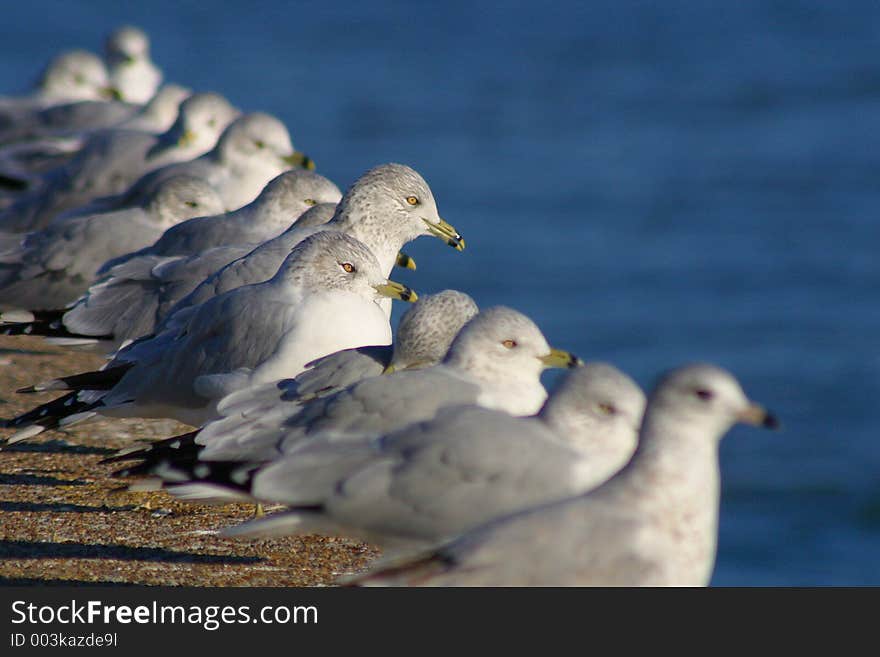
(502, 343)
(183, 197)
(394, 199)
(202, 118)
(127, 44)
(596, 407)
(428, 328)
(330, 260)
(259, 139)
(164, 106)
(293, 192)
(707, 397)
(76, 75)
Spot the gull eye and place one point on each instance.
(310, 201)
(192, 204)
(79, 79)
(212, 123)
(348, 267)
(412, 200)
(703, 394)
(606, 409)
(509, 344)
(260, 143)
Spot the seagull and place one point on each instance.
(132, 73)
(111, 161)
(23, 161)
(251, 151)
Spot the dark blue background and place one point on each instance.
(654, 183)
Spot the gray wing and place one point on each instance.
(340, 370)
(255, 266)
(250, 418)
(259, 431)
(200, 234)
(379, 405)
(220, 337)
(458, 471)
(133, 298)
(56, 265)
(86, 115)
(255, 416)
(132, 197)
(187, 238)
(107, 164)
(66, 118)
(199, 168)
(428, 481)
(29, 159)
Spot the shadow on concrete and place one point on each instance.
(37, 480)
(31, 550)
(61, 507)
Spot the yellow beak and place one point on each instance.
(447, 233)
(405, 261)
(298, 159)
(187, 138)
(394, 290)
(560, 358)
(757, 415)
(111, 93)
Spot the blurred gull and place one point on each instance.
(23, 160)
(78, 92)
(52, 267)
(251, 151)
(132, 73)
(72, 76)
(653, 524)
(281, 202)
(161, 112)
(111, 161)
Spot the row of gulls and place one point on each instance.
(236, 290)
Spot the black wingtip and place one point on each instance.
(13, 183)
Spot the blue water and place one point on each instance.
(654, 183)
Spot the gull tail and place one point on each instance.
(233, 477)
(61, 412)
(97, 380)
(14, 183)
(45, 323)
(177, 448)
(175, 463)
